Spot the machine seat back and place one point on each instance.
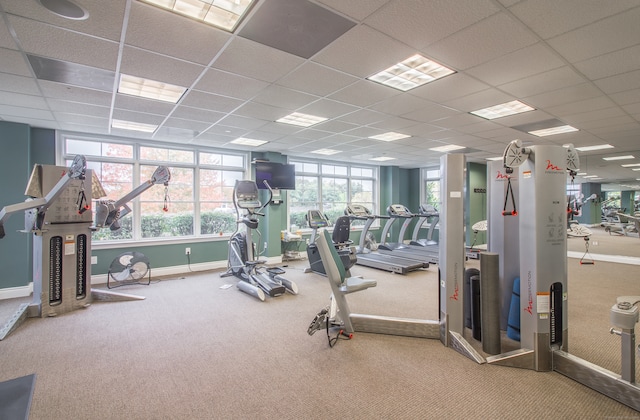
(335, 270)
(341, 230)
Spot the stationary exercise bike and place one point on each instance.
(316, 220)
(255, 279)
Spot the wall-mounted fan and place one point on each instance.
(129, 268)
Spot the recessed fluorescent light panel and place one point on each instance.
(326, 152)
(590, 176)
(626, 157)
(630, 165)
(553, 130)
(382, 158)
(447, 148)
(390, 136)
(248, 142)
(135, 126)
(223, 14)
(592, 148)
(495, 158)
(503, 110)
(150, 89)
(413, 72)
(636, 169)
(301, 120)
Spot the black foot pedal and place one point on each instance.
(319, 322)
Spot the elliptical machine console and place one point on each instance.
(255, 279)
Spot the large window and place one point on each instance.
(329, 188)
(431, 190)
(197, 202)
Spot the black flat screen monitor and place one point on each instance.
(279, 176)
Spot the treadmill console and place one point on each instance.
(398, 210)
(428, 210)
(357, 210)
(316, 219)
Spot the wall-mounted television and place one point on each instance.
(279, 175)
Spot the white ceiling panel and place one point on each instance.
(544, 82)
(549, 18)
(356, 9)
(141, 63)
(161, 31)
(574, 61)
(229, 84)
(325, 79)
(610, 34)
(420, 27)
(50, 41)
(482, 42)
(363, 51)
(242, 55)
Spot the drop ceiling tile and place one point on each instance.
(6, 39)
(227, 131)
(316, 79)
(61, 44)
(148, 106)
(283, 97)
(18, 84)
(141, 117)
(239, 121)
(140, 63)
(312, 134)
(25, 101)
(394, 124)
(401, 105)
(450, 87)
(298, 27)
(327, 108)
(620, 83)
(357, 9)
(481, 42)
(74, 94)
(572, 108)
(604, 36)
(362, 117)
(543, 82)
(430, 112)
(9, 111)
(423, 130)
(363, 51)
(563, 96)
(627, 97)
(261, 111)
(611, 64)
(103, 22)
(241, 56)
(197, 114)
(64, 118)
(517, 65)
(12, 61)
(335, 126)
(419, 27)
(195, 126)
(229, 84)
(163, 32)
(479, 100)
(279, 128)
(78, 108)
(364, 93)
(49, 124)
(203, 100)
(568, 14)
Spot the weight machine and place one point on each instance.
(542, 171)
(58, 215)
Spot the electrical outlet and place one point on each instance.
(187, 251)
(265, 246)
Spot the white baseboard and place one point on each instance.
(22, 291)
(15, 292)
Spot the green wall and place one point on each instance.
(15, 168)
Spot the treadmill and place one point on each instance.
(428, 253)
(368, 258)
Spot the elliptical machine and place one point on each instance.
(316, 220)
(255, 279)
